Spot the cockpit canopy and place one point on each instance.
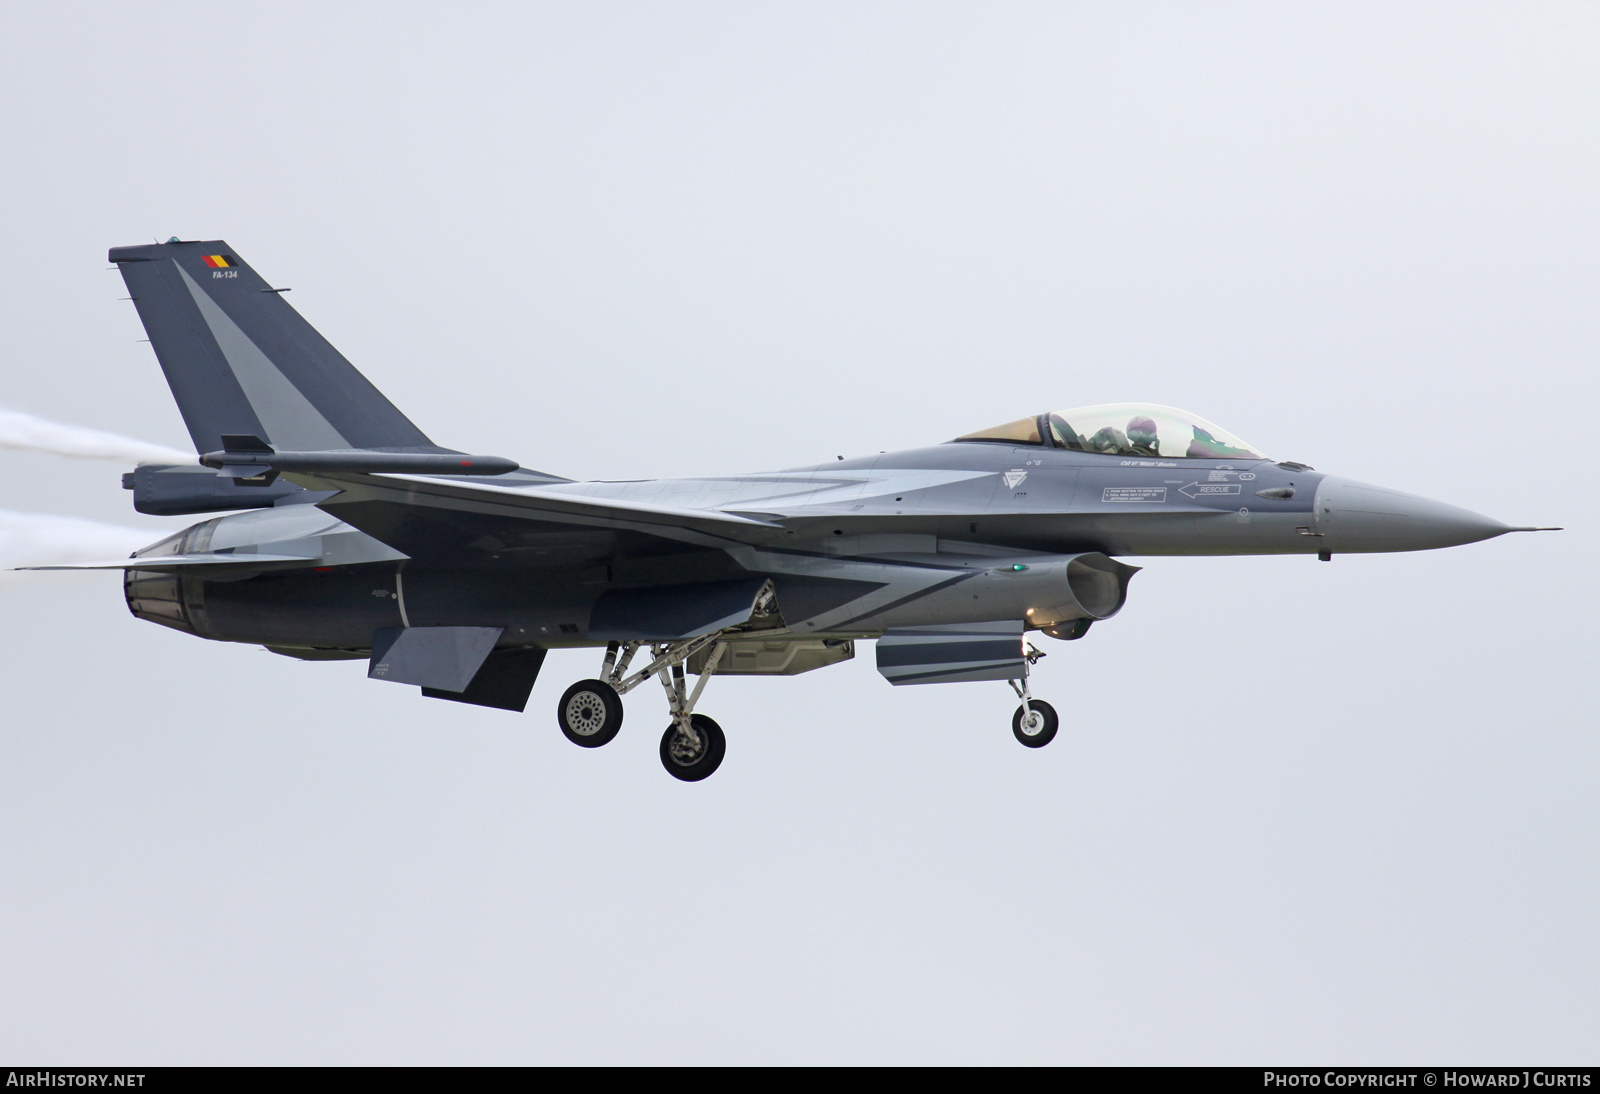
(1124, 429)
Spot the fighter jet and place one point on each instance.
(349, 534)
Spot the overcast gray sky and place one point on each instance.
(1297, 812)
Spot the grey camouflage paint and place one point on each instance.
(984, 539)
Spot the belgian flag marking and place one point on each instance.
(216, 262)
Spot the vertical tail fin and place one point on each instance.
(242, 362)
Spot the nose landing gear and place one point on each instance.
(1035, 722)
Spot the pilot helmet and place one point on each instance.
(1142, 433)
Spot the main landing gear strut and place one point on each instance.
(692, 748)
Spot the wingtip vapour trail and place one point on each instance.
(30, 539)
(32, 434)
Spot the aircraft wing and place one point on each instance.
(450, 520)
(441, 519)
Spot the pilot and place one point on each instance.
(1142, 439)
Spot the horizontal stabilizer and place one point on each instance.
(446, 658)
(954, 653)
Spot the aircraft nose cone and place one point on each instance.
(1356, 517)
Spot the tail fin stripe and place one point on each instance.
(289, 418)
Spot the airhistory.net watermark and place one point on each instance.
(74, 1078)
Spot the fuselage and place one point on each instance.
(951, 533)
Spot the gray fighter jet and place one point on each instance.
(351, 535)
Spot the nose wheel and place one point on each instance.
(1035, 724)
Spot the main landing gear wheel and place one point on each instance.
(1038, 728)
(691, 760)
(590, 713)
